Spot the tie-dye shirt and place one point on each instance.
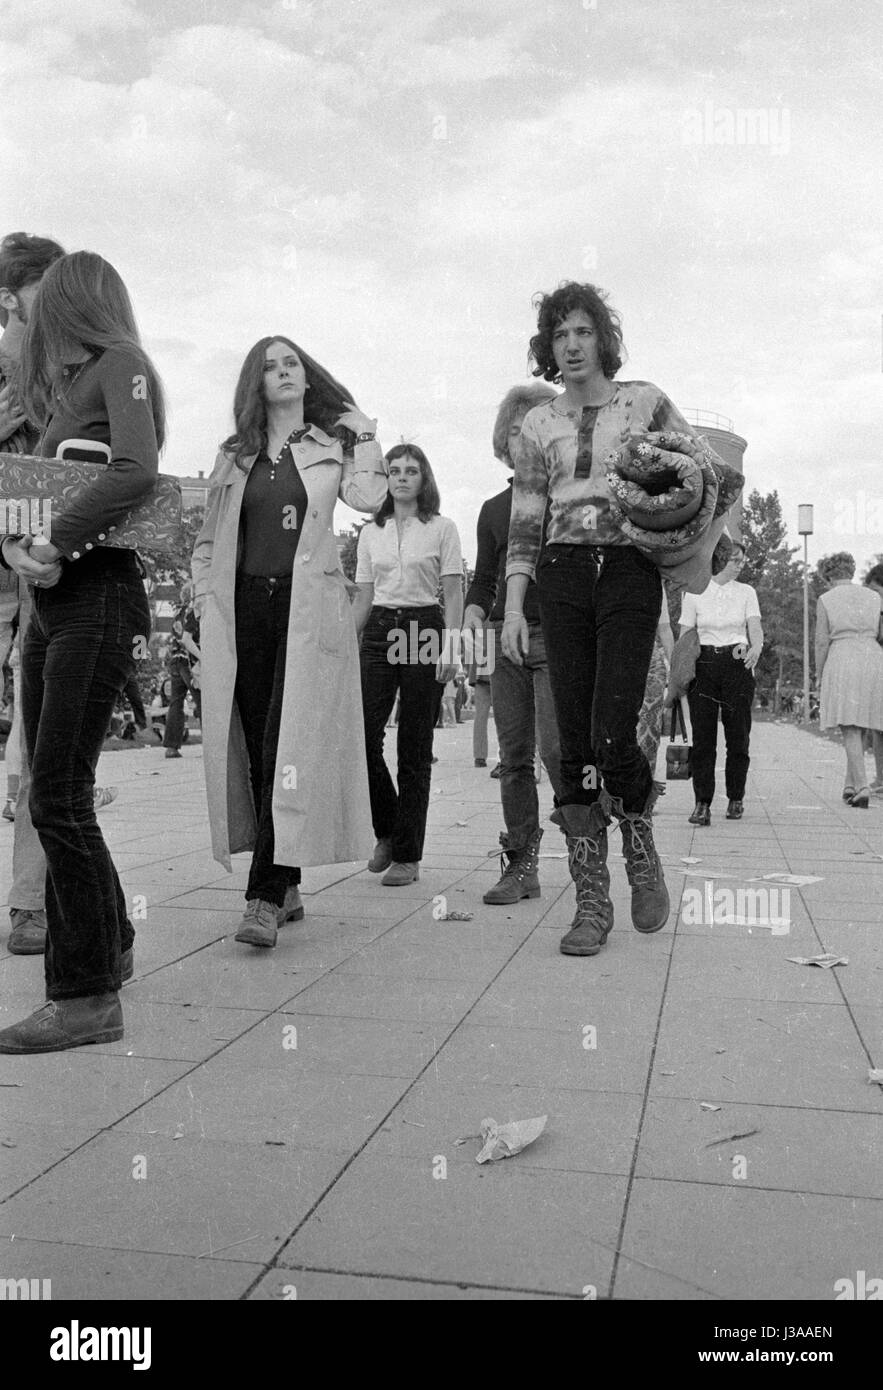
(560, 459)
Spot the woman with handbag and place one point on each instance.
(85, 375)
(282, 726)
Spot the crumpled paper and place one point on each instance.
(875, 1076)
(502, 1141)
(824, 962)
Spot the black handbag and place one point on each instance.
(678, 756)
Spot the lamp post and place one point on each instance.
(805, 529)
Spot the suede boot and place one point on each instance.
(292, 910)
(519, 870)
(259, 923)
(643, 867)
(64, 1023)
(585, 831)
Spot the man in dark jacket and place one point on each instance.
(522, 698)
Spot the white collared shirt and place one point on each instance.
(407, 575)
(721, 613)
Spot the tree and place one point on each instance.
(763, 533)
(349, 550)
(778, 579)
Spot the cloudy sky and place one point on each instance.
(389, 183)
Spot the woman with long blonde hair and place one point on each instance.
(84, 376)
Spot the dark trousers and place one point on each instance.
(524, 711)
(132, 692)
(399, 815)
(599, 618)
(77, 655)
(723, 684)
(261, 641)
(181, 683)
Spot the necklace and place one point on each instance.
(70, 376)
(274, 463)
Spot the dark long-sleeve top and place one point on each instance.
(109, 401)
(488, 588)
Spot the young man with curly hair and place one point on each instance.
(599, 599)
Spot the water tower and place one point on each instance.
(722, 437)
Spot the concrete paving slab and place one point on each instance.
(293, 1043)
(568, 1004)
(425, 961)
(752, 968)
(84, 1272)
(300, 1110)
(691, 1240)
(795, 1150)
(778, 1053)
(67, 1087)
(311, 1284)
(387, 997)
(28, 1148)
(196, 1197)
(506, 1055)
(228, 975)
(178, 1032)
(527, 1228)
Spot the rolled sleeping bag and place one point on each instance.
(682, 536)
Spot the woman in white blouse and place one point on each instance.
(727, 616)
(403, 555)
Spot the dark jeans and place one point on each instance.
(181, 683)
(132, 692)
(524, 711)
(261, 642)
(599, 611)
(78, 654)
(400, 815)
(723, 684)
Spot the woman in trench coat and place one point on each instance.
(283, 733)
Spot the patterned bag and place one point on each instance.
(32, 489)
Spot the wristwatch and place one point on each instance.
(365, 438)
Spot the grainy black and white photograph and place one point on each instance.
(441, 568)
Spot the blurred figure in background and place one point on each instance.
(849, 666)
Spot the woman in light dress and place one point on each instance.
(849, 666)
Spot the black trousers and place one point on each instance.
(181, 683)
(723, 685)
(261, 640)
(599, 618)
(399, 814)
(77, 657)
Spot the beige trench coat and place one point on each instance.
(321, 807)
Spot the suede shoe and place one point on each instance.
(734, 809)
(398, 875)
(381, 858)
(701, 813)
(518, 869)
(292, 910)
(28, 935)
(64, 1023)
(259, 923)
